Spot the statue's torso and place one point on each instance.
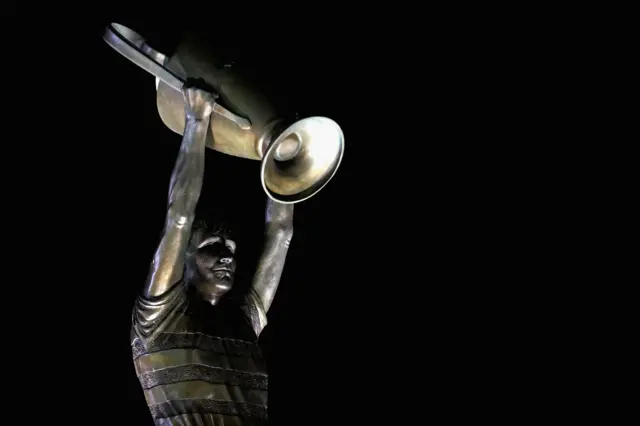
(198, 365)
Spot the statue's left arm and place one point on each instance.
(278, 235)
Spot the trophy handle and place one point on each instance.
(134, 47)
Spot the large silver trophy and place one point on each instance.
(299, 157)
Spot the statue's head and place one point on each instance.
(210, 261)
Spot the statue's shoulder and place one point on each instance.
(160, 314)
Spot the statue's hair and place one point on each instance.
(215, 227)
(213, 220)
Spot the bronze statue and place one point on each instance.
(196, 352)
(198, 363)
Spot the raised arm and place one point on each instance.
(278, 234)
(186, 183)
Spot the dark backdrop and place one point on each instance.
(392, 305)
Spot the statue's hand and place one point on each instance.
(279, 215)
(199, 101)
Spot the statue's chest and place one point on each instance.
(215, 344)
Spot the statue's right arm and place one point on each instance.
(186, 183)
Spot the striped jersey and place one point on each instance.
(199, 364)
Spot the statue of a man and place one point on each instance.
(197, 359)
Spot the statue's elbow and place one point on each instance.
(287, 234)
(281, 232)
(178, 218)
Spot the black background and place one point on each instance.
(392, 305)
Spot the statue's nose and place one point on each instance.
(225, 260)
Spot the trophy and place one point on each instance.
(298, 156)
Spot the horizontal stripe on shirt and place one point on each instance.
(166, 341)
(185, 373)
(204, 390)
(201, 406)
(176, 357)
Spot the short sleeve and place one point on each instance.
(154, 316)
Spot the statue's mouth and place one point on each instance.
(222, 273)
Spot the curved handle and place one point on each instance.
(134, 47)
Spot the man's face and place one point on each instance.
(212, 264)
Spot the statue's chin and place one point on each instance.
(213, 291)
(209, 296)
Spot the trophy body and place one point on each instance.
(228, 135)
(298, 156)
